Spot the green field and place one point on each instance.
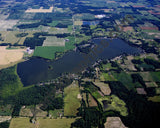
(126, 79)
(41, 123)
(151, 76)
(10, 83)
(114, 103)
(71, 102)
(47, 52)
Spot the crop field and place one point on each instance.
(78, 23)
(7, 24)
(92, 102)
(82, 16)
(41, 123)
(114, 122)
(54, 30)
(71, 101)
(105, 89)
(41, 10)
(10, 56)
(126, 79)
(47, 51)
(10, 37)
(54, 41)
(150, 76)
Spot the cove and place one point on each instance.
(37, 70)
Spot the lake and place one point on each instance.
(90, 22)
(37, 70)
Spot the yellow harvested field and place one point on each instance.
(10, 56)
(41, 10)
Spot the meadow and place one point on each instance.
(71, 101)
(113, 103)
(23, 122)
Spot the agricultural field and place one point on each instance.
(71, 100)
(7, 24)
(123, 92)
(47, 52)
(114, 122)
(126, 79)
(24, 122)
(41, 10)
(151, 76)
(14, 37)
(103, 87)
(54, 41)
(28, 111)
(9, 56)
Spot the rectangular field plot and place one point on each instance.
(7, 24)
(41, 10)
(24, 122)
(47, 51)
(54, 41)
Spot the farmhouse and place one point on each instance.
(100, 16)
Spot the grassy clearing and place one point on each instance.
(126, 79)
(154, 98)
(10, 83)
(107, 77)
(71, 102)
(41, 123)
(108, 66)
(151, 76)
(114, 103)
(53, 24)
(55, 113)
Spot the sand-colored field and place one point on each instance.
(114, 122)
(4, 118)
(105, 89)
(78, 22)
(10, 56)
(7, 24)
(41, 10)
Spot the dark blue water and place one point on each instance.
(90, 22)
(36, 70)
